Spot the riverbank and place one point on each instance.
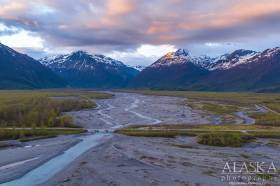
(129, 161)
(17, 161)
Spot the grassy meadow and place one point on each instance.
(32, 113)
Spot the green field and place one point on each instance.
(34, 110)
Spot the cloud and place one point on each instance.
(22, 39)
(144, 54)
(4, 30)
(126, 25)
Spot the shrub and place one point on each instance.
(38, 111)
(13, 134)
(270, 119)
(223, 139)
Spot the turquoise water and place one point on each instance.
(44, 172)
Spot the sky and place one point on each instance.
(138, 32)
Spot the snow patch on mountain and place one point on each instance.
(79, 58)
(171, 58)
(234, 59)
(223, 62)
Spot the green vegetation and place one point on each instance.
(27, 134)
(213, 107)
(215, 135)
(41, 108)
(155, 133)
(275, 106)
(29, 115)
(219, 108)
(270, 119)
(206, 128)
(232, 139)
(265, 176)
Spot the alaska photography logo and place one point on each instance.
(249, 173)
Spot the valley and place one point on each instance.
(155, 138)
(139, 93)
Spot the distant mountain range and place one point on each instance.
(83, 70)
(19, 71)
(242, 70)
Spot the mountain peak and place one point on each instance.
(272, 50)
(80, 59)
(242, 52)
(181, 56)
(79, 53)
(182, 52)
(82, 69)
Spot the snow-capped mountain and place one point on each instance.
(239, 70)
(82, 69)
(182, 56)
(179, 57)
(21, 71)
(223, 62)
(234, 59)
(79, 59)
(175, 69)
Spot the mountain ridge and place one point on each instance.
(84, 70)
(19, 71)
(241, 70)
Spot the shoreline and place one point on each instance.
(45, 170)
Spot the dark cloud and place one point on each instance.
(254, 29)
(126, 24)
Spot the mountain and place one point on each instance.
(174, 70)
(229, 61)
(84, 70)
(254, 71)
(19, 71)
(241, 70)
